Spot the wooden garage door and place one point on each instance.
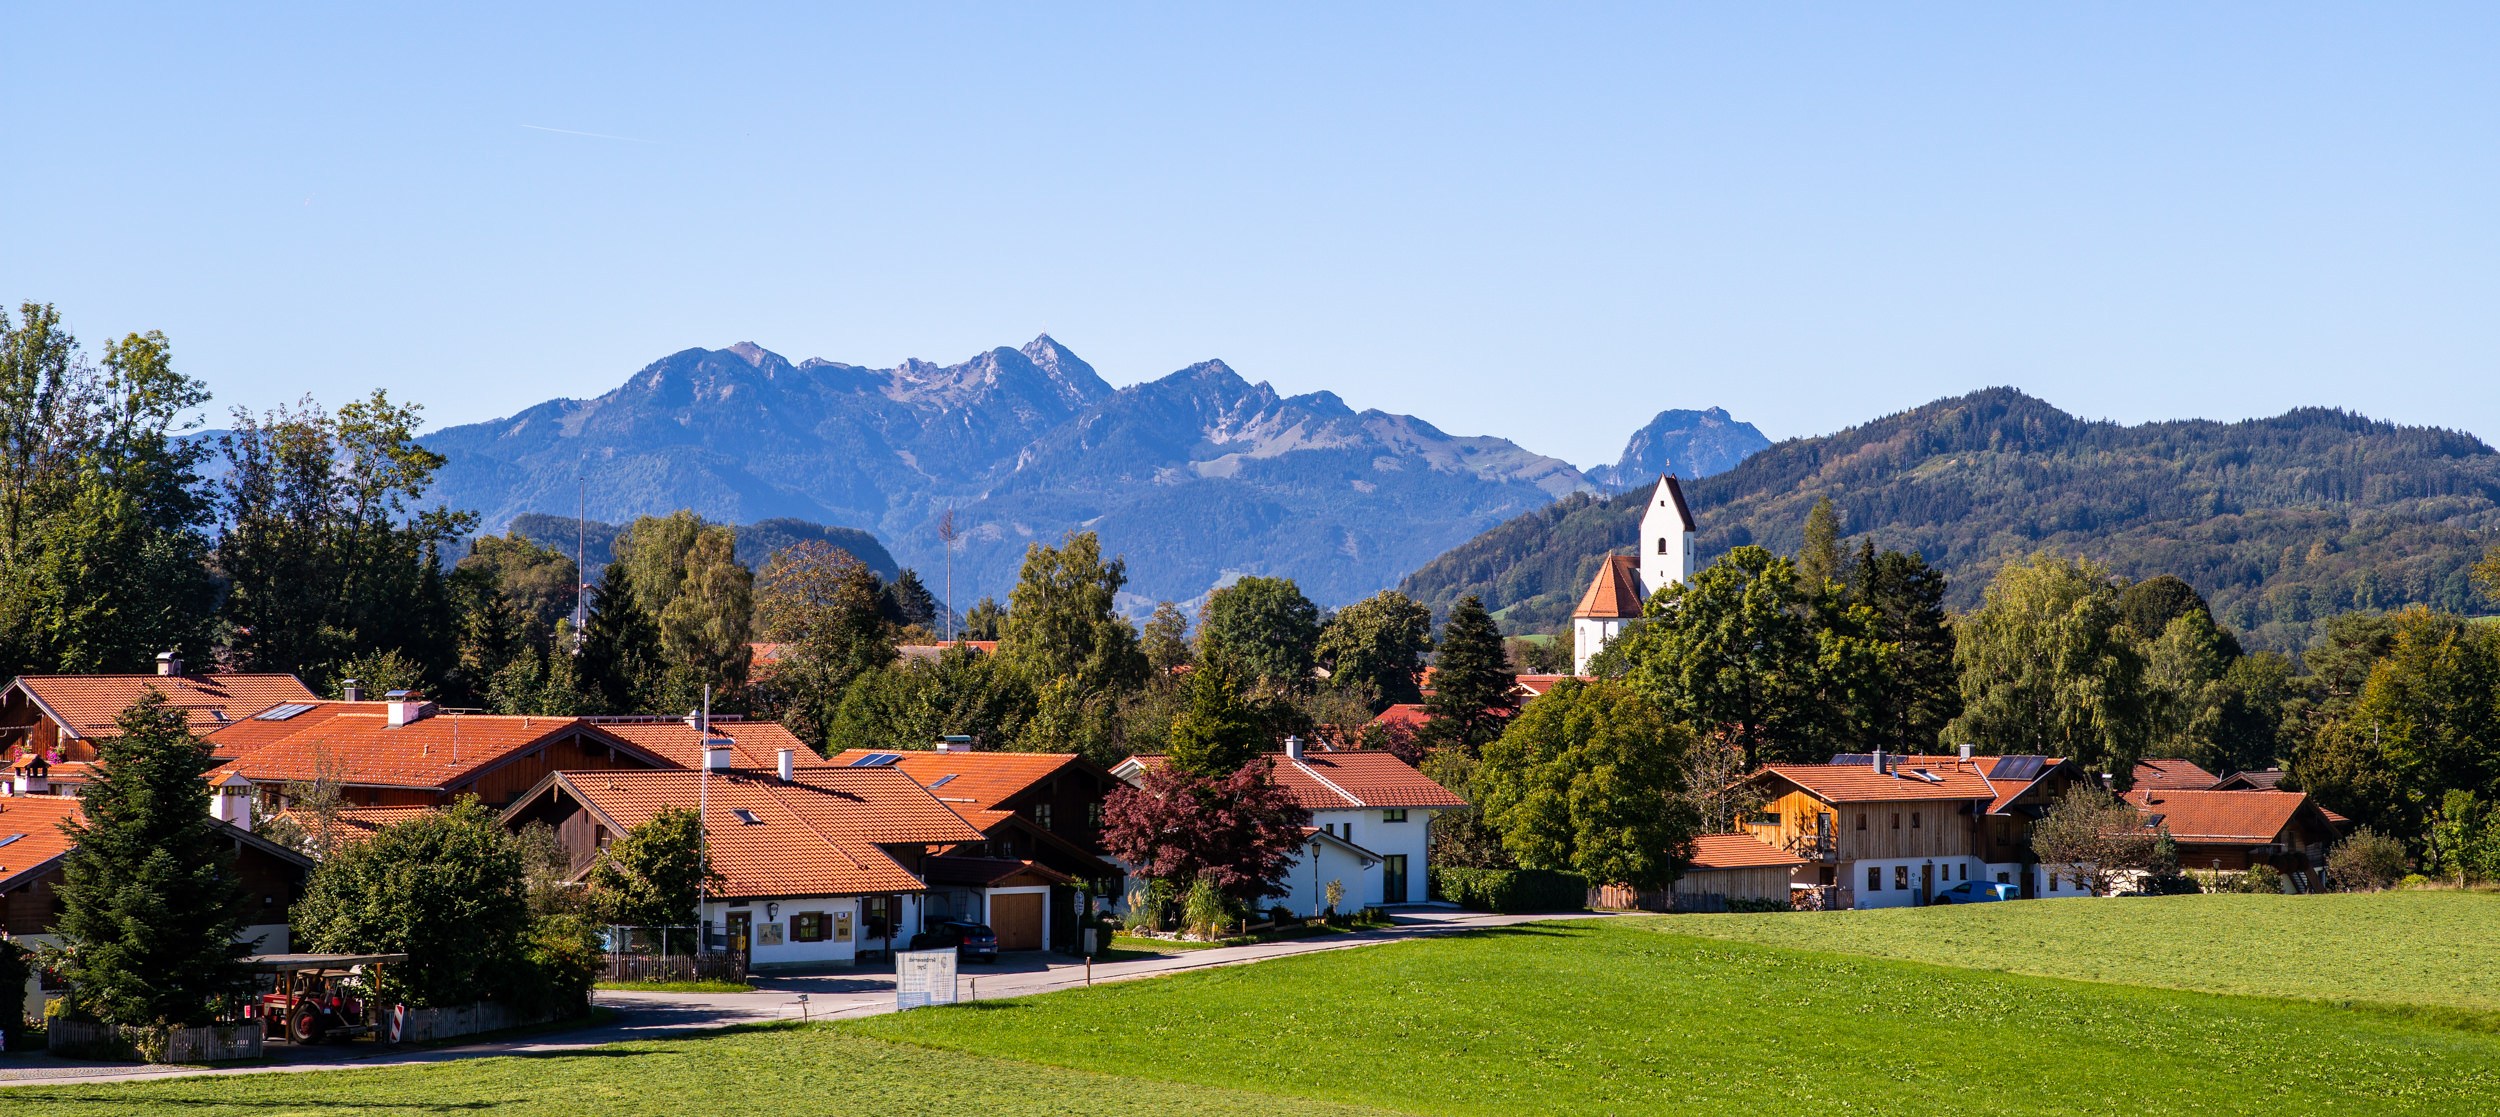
(1018, 920)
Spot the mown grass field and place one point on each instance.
(2428, 948)
(1582, 1017)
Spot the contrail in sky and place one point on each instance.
(592, 135)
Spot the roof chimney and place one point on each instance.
(1966, 752)
(1879, 761)
(407, 707)
(1293, 748)
(702, 724)
(716, 754)
(169, 663)
(789, 760)
(351, 691)
(954, 743)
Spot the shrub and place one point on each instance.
(2260, 879)
(2414, 880)
(2366, 862)
(1511, 890)
(1208, 912)
(1741, 904)
(16, 968)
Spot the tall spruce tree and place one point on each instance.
(1217, 733)
(1922, 693)
(1818, 561)
(1471, 679)
(621, 662)
(150, 902)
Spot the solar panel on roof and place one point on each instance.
(10, 838)
(282, 711)
(876, 760)
(2019, 767)
(941, 780)
(1859, 759)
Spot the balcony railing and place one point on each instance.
(1812, 847)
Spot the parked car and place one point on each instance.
(973, 941)
(1977, 892)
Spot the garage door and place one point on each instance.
(1018, 920)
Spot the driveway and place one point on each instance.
(843, 994)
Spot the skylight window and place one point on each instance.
(940, 781)
(282, 712)
(10, 838)
(747, 816)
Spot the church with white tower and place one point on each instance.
(1624, 582)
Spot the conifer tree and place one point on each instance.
(621, 661)
(1218, 733)
(1471, 679)
(1818, 561)
(150, 900)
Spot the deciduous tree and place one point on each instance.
(1380, 642)
(1262, 631)
(2049, 667)
(1589, 778)
(1240, 832)
(653, 874)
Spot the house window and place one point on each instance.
(1913, 820)
(1766, 818)
(1397, 815)
(1041, 815)
(2052, 882)
(1662, 544)
(807, 926)
(1896, 820)
(1900, 876)
(1874, 879)
(1861, 820)
(1965, 871)
(1093, 814)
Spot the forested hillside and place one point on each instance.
(2279, 521)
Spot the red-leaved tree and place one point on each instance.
(1241, 832)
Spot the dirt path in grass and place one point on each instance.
(842, 994)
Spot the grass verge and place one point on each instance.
(678, 986)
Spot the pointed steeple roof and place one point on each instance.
(1670, 494)
(1616, 591)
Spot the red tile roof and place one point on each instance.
(1861, 783)
(1341, 781)
(990, 872)
(2171, 775)
(817, 835)
(357, 746)
(2262, 779)
(1535, 686)
(31, 825)
(1615, 592)
(1995, 768)
(752, 744)
(2222, 817)
(85, 705)
(1739, 851)
(1408, 714)
(971, 781)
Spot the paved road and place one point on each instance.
(838, 995)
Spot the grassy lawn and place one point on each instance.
(767, 1071)
(678, 986)
(2409, 948)
(1581, 1017)
(1612, 1017)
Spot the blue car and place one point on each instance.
(1977, 892)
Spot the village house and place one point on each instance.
(1369, 815)
(1892, 831)
(2232, 831)
(1724, 868)
(1035, 810)
(818, 865)
(404, 752)
(60, 719)
(33, 848)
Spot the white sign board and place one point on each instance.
(923, 978)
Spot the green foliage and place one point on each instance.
(909, 604)
(1462, 838)
(1262, 630)
(102, 544)
(827, 611)
(2426, 721)
(323, 557)
(1064, 637)
(621, 661)
(1818, 558)
(1471, 680)
(379, 673)
(1208, 912)
(2281, 522)
(448, 889)
(2049, 667)
(1589, 778)
(2464, 838)
(1378, 642)
(17, 968)
(686, 576)
(1217, 733)
(1904, 599)
(2366, 861)
(985, 620)
(1164, 639)
(150, 900)
(653, 874)
(2093, 837)
(1509, 891)
(910, 704)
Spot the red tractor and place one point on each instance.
(317, 997)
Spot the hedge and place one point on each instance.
(1511, 890)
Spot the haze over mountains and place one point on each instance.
(2277, 521)
(1194, 477)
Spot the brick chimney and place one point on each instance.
(407, 707)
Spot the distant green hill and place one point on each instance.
(2278, 521)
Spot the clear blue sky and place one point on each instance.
(1543, 222)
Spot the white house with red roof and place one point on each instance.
(1369, 815)
(1664, 557)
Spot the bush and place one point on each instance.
(1208, 913)
(2414, 880)
(1511, 890)
(17, 967)
(2259, 879)
(2368, 861)
(1740, 904)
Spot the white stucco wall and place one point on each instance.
(1371, 830)
(1949, 871)
(836, 949)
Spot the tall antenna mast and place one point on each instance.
(581, 550)
(946, 536)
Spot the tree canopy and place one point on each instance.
(1589, 778)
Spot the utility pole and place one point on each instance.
(703, 821)
(946, 537)
(581, 549)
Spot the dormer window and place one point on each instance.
(746, 816)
